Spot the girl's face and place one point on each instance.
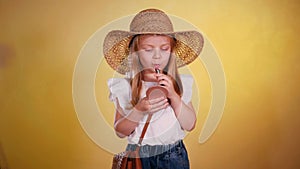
(154, 51)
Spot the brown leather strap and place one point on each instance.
(144, 129)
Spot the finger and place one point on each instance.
(158, 104)
(156, 100)
(161, 77)
(166, 79)
(144, 104)
(161, 107)
(163, 83)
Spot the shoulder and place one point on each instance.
(186, 79)
(113, 82)
(119, 87)
(116, 85)
(120, 93)
(187, 87)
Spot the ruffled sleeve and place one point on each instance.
(120, 93)
(187, 85)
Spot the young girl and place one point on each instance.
(151, 46)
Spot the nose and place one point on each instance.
(157, 54)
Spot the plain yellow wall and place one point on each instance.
(258, 44)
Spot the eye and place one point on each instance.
(148, 49)
(165, 48)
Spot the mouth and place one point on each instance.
(156, 66)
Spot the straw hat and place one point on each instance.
(150, 21)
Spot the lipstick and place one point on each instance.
(156, 68)
(157, 71)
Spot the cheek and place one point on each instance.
(145, 61)
(165, 57)
(165, 61)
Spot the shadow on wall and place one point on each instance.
(6, 53)
(5, 56)
(3, 163)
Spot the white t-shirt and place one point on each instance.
(164, 127)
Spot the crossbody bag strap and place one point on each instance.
(144, 130)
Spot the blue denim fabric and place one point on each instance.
(172, 156)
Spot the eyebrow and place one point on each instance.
(165, 44)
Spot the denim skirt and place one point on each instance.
(172, 156)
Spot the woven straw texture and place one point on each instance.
(151, 21)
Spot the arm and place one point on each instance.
(126, 124)
(185, 113)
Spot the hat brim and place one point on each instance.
(188, 46)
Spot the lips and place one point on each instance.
(156, 66)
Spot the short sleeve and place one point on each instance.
(187, 85)
(120, 92)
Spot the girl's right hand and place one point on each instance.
(147, 106)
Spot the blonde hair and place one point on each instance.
(137, 70)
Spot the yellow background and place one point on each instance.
(258, 44)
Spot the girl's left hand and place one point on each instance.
(166, 82)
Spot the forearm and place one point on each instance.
(125, 125)
(185, 113)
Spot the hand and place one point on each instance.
(147, 106)
(166, 82)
